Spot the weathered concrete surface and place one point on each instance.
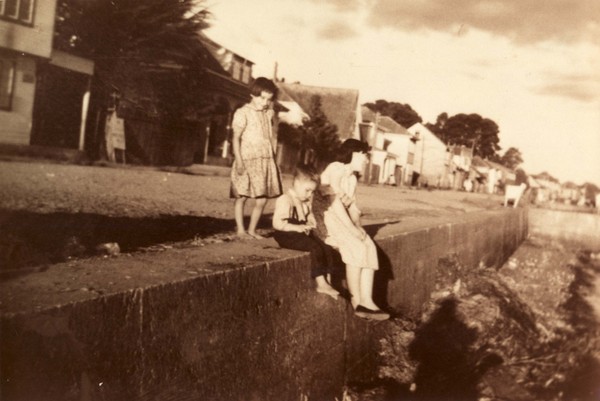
(224, 322)
(580, 228)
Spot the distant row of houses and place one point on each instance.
(45, 101)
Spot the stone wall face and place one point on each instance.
(258, 332)
(578, 228)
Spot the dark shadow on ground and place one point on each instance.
(32, 239)
(441, 348)
(583, 382)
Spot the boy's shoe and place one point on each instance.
(371, 314)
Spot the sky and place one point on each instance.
(532, 66)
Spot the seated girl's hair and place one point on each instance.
(306, 172)
(344, 153)
(263, 84)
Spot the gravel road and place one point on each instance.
(50, 212)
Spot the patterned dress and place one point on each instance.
(260, 178)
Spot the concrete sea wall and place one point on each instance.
(255, 331)
(582, 229)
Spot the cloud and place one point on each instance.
(523, 21)
(336, 30)
(581, 87)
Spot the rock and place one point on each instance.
(108, 248)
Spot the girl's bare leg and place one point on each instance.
(367, 277)
(259, 206)
(353, 282)
(239, 215)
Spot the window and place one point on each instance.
(246, 74)
(18, 10)
(236, 70)
(7, 77)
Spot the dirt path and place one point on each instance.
(53, 212)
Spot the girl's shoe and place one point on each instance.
(371, 314)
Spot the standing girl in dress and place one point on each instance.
(254, 173)
(343, 230)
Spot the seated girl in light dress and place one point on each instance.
(341, 227)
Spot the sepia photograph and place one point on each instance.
(303, 200)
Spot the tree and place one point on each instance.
(123, 37)
(472, 130)
(521, 177)
(591, 191)
(512, 158)
(322, 136)
(439, 126)
(403, 114)
(317, 136)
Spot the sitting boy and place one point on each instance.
(294, 226)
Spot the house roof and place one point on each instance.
(499, 166)
(479, 162)
(219, 51)
(339, 105)
(416, 127)
(545, 176)
(388, 124)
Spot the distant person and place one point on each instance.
(294, 225)
(254, 173)
(335, 205)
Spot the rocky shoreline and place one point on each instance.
(526, 331)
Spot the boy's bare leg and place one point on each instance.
(323, 287)
(257, 211)
(239, 216)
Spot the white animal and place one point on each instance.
(514, 193)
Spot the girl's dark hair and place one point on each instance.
(344, 153)
(263, 84)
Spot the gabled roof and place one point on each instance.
(479, 162)
(339, 105)
(499, 166)
(385, 123)
(416, 127)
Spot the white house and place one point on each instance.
(44, 93)
(393, 148)
(430, 156)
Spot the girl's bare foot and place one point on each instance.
(244, 235)
(255, 235)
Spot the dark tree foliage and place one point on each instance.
(151, 30)
(521, 177)
(439, 126)
(317, 136)
(322, 135)
(471, 130)
(591, 190)
(512, 158)
(403, 114)
(126, 38)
